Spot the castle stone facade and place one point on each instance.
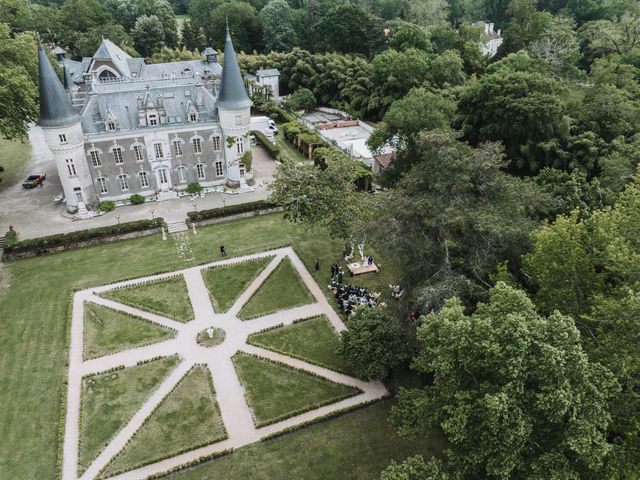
(120, 127)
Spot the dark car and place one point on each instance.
(34, 180)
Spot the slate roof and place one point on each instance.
(232, 95)
(110, 51)
(55, 104)
(122, 104)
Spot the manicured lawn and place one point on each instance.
(313, 340)
(275, 391)
(205, 340)
(166, 297)
(283, 289)
(111, 399)
(357, 446)
(108, 331)
(32, 343)
(187, 418)
(14, 159)
(226, 284)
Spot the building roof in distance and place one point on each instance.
(268, 72)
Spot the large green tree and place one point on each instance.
(348, 28)
(513, 391)
(277, 26)
(420, 110)
(523, 109)
(373, 344)
(243, 22)
(18, 83)
(452, 218)
(148, 35)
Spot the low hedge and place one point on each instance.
(72, 238)
(273, 150)
(230, 210)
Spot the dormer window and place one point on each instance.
(153, 120)
(193, 117)
(63, 138)
(111, 126)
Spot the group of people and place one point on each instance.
(349, 297)
(337, 274)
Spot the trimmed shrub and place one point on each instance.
(273, 150)
(107, 205)
(231, 210)
(71, 239)
(194, 187)
(136, 199)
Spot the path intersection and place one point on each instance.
(229, 392)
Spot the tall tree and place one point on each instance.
(420, 110)
(513, 392)
(243, 23)
(148, 35)
(18, 83)
(523, 109)
(349, 29)
(374, 344)
(277, 27)
(452, 218)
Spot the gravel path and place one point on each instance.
(235, 412)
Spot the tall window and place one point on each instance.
(182, 173)
(163, 175)
(63, 138)
(137, 151)
(102, 185)
(238, 119)
(71, 167)
(177, 146)
(240, 145)
(216, 143)
(197, 145)
(124, 182)
(158, 149)
(95, 158)
(153, 120)
(117, 155)
(219, 170)
(200, 170)
(144, 179)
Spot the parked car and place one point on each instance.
(34, 180)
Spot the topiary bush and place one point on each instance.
(107, 206)
(136, 199)
(194, 187)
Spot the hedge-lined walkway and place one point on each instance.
(230, 394)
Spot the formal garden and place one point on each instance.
(216, 362)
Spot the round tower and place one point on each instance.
(234, 112)
(65, 138)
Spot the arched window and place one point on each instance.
(107, 75)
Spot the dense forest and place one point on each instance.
(513, 200)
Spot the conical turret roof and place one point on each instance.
(55, 104)
(232, 95)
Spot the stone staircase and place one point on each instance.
(177, 226)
